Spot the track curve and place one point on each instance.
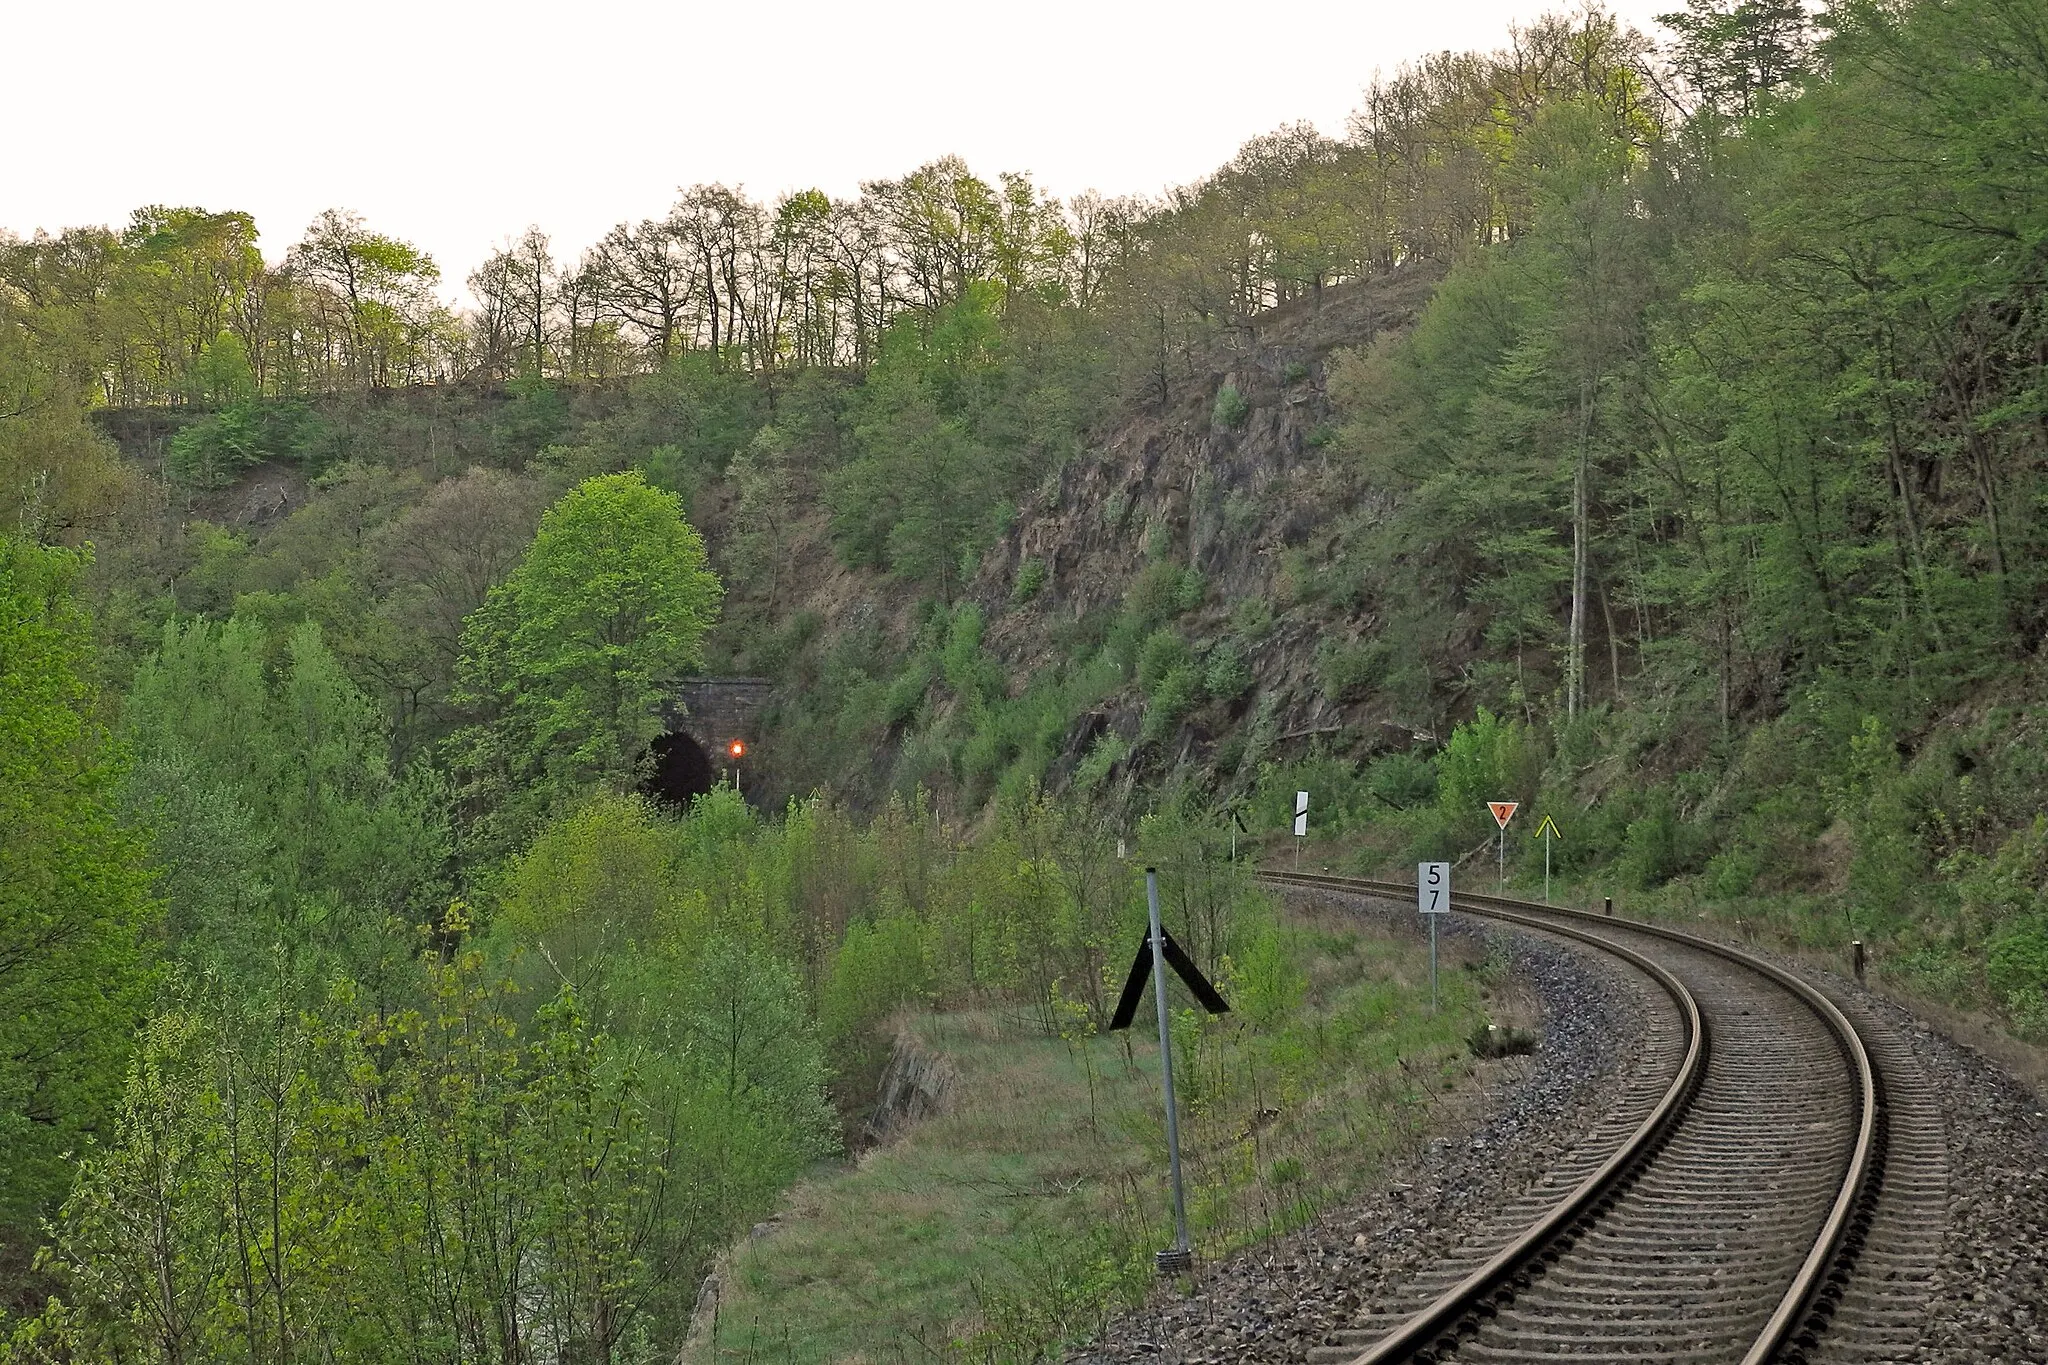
(1723, 1228)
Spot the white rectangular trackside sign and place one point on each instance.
(1433, 899)
(1433, 888)
(1301, 815)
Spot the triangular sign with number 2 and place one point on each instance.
(1503, 811)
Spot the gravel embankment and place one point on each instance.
(1983, 1297)
(1275, 1301)
(1987, 1302)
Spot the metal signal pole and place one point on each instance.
(1180, 1256)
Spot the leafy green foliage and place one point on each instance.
(1031, 577)
(919, 498)
(1401, 780)
(74, 894)
(1226, 675)
(569, 654)
(1230, 408)
(1487, 759)
(215, 450)
(275, 811)
(376, 1185)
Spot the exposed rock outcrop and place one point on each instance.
(916, 1084)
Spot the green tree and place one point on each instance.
(919, 498)
(287, 1187)
(751, 1041)
(1487, 759)
(567, 657)
(276, 811)
(384, 286)
(1738, 57)
(74, 902)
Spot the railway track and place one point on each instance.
(1721, 1213)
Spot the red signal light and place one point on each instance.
(738, 748)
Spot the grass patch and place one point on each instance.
(1025, 1214)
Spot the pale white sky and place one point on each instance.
(456, 123)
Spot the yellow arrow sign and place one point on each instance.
(1549, 827)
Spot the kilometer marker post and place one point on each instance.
(1300, 825)
(1432, 899)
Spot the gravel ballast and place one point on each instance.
(1982, 1296)
(1277, 1301)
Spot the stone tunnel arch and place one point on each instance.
(701, 717)
(679, 770)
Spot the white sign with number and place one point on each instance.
(1301, 815)
(1433, 888)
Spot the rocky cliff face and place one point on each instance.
(1244, 492)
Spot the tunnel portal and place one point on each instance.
(702, 716)
(679, 771)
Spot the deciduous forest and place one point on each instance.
(1650, 431)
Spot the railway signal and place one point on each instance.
(1503, 811)
(1546, 832)
(738, 750)
(1300, 825)
(1155, 955)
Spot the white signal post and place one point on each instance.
(1300, 825)
(1503, 811)
(1546, 832)
(1433, 899)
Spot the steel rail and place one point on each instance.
(1456, 1312)
(1460, 1307)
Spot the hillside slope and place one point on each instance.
(1246, 501)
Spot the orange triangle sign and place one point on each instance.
(1503, 811)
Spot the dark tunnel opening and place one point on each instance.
(680, 770)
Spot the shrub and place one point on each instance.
(906, 691)
(1227, 676)
(1252, 617)
(1295, 372)
(1487, 759)
(1401, 780)
(1173, 697)
(213, 451)
(1231, 408)
(1153, 598)
(1337, 794)
(880, 966)
(1491, 1040)
(2017, 964)
(1103, 755)
(1031, 577)
(1658, 845)
(1162, 653)
(1350, 671)
(1732, 873)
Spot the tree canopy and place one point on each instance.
(75, 908)
(568, 656)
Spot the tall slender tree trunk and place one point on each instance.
(1613, 642)
(1575, 643)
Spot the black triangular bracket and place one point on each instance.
(1141, 973)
